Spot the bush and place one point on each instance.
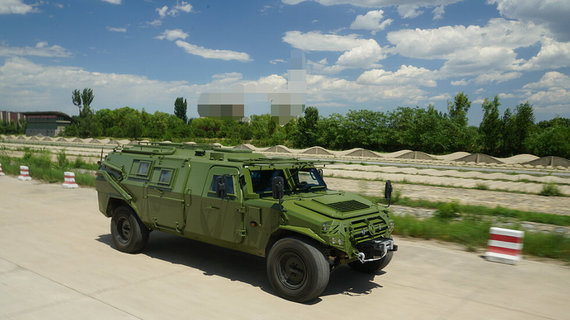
(447, 210)
(482, 186)
(550, 189)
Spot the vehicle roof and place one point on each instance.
(210, 153)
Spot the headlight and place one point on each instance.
(326, 227)
(336, 241)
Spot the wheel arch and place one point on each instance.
(305, 234)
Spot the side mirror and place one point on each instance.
(388, 191)
(221, 187)
(278, 187)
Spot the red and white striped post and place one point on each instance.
(1, 172)
(69, 180)
(505, 245)
(24, 174)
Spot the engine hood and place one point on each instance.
(338, 206)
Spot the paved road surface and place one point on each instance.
(56, 262)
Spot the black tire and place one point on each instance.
(372, 266)
(128, 232)
(297, 270)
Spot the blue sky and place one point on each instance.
(360, 54)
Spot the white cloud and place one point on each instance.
(406, 8)
(27, 86)
(472, 49)
(162, 11)
(553, 13)
(357, 52)
(174, 11)
(40, 50)
(372, 21)
(172, 35)
(406, 75)
(213, 53)
(113, 29)
(316, 41)
(551, 93)
(461, 82)
(155, 23)
(276, 61)
(15, 7)
(112, 1)
(552, 55)
(495, 76)
(438, 12)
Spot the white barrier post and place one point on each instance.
(505, 245)
(24, 174)
(1, 173)
(69, 180)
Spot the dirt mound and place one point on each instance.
(278, 149)
(453, 156)
(47, 139)
(479, 158)
(396, 153)
(359, 152)
(550, 161)
(245, 146)
(417, 155)
(317, 150)
(519, 158)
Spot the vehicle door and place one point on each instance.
(165, 195)
(222, 214)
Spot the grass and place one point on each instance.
(540, 217)
(474, 234)
(550, 189)
(42, 168)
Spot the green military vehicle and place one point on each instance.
(280, 209)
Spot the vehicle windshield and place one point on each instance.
(300, 180)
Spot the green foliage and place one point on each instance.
(547, 245)
(482, 186)
(420, 129)
(13, 127)
(447, 211)
(490, 127)
(180, 109)
(550, 189)
(62, 161)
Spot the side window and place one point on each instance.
(229, 184)
(143, 168)
(140, 168)
(165, 176)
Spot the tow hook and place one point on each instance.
(378, 250)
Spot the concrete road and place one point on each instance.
(56, 262)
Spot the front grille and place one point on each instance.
(347, 206)
(367, 229)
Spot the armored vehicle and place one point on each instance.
(280, 209)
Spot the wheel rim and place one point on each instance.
(292, 270)
(124, 230)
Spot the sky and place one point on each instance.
(359, 54)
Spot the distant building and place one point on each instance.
(9, 116)
(224, 106)
(46, 123)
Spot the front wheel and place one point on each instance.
(297, 270)
(129, 234)
(372, 266)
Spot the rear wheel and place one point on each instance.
(372, 266)
(129, 233)
(297, 270)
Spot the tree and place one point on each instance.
(524, 125)
(306, 135)
(458, 110)
(490, 127)
(85, 126)
(509, 133)
(180, 109)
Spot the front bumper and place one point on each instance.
(375, 249)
